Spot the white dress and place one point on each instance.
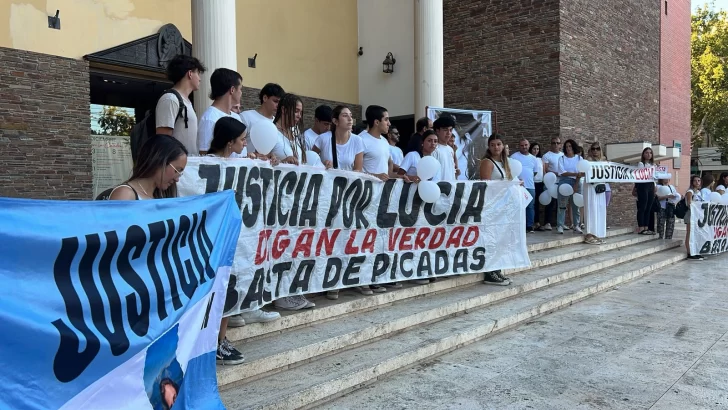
(595, 211)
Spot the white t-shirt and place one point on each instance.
(497, 175)
(250, 117)
(529, 167)
(446, 156)
(396, 154)
(206, 127)
(310, 138)
(376, 153)
(539, 170)
(567, 164)
(345, 154)
(284, 149)
(552, 160)
(409, 165)
(166, 116)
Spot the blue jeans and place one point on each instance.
(564, 202)
(530, 210)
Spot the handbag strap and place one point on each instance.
(333, 150)
(503, 174)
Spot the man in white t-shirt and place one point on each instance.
(394, 151)
(269, 97)
(444, 153)
(528, 171)
(377, 158)
(226, 88)
(321, 124)
(171, 119)
(550, 162)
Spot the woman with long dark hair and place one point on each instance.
(162, 160)
(496, 166)
(412, 159)
(693, 194)
(535, 150)
(228, 138)
(569, 174)
(290, 146)
(349, 152)
(645, 195)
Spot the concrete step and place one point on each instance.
(475, 314)
(546, 249)
(264, 356)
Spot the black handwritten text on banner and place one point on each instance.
(307, 230)
(708, 228)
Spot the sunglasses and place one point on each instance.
(596, 149)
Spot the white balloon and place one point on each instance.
(724, 198)
(554, 191)
(427, 168)
(545, 198)
(714, 197)
(429, 191)
(312, 158)
(264, 136)
(583, 166)
(516, 167)
(549, 179)
(663, 190)
(579, 200)
(566, 189)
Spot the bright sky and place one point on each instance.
(719, 4)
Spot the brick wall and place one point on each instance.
(251, 101)
(675, 84)
(610, 71)
(45, 129)
(503, 55)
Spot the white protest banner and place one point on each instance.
(307, 230)
(614, 172)
(708, 228)
(471, 131)
(661, 172)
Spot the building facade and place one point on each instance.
(613, 71)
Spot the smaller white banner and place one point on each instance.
(708, 228)
(614, 172)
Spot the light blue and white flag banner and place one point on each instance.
(308, 230)
(113, 304)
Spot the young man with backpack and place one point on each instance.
(174, 114)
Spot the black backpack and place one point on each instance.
(147, 127)
(681, 209)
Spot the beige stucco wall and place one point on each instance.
(87, 26)
(309, 47)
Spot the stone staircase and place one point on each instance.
(309, 357)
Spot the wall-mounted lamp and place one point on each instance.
(251, 61)
(361, 51)
(388, 64)
(54, 21)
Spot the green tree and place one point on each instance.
(709, 78)
(115, 121)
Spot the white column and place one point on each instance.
(429, 87)
(213, 42)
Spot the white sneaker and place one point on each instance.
(560, 230)
(236, 321)
(260, 316)
(291, 303)
(578, 230)
(547, 227)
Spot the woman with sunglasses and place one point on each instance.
(162, 160)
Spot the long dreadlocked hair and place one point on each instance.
(286, 119)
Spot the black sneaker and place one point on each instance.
(502, 276)
(492, 278)
(227, 356)
(695, 258)
(529, 230)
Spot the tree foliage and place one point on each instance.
(115, 121)
(709, 78)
